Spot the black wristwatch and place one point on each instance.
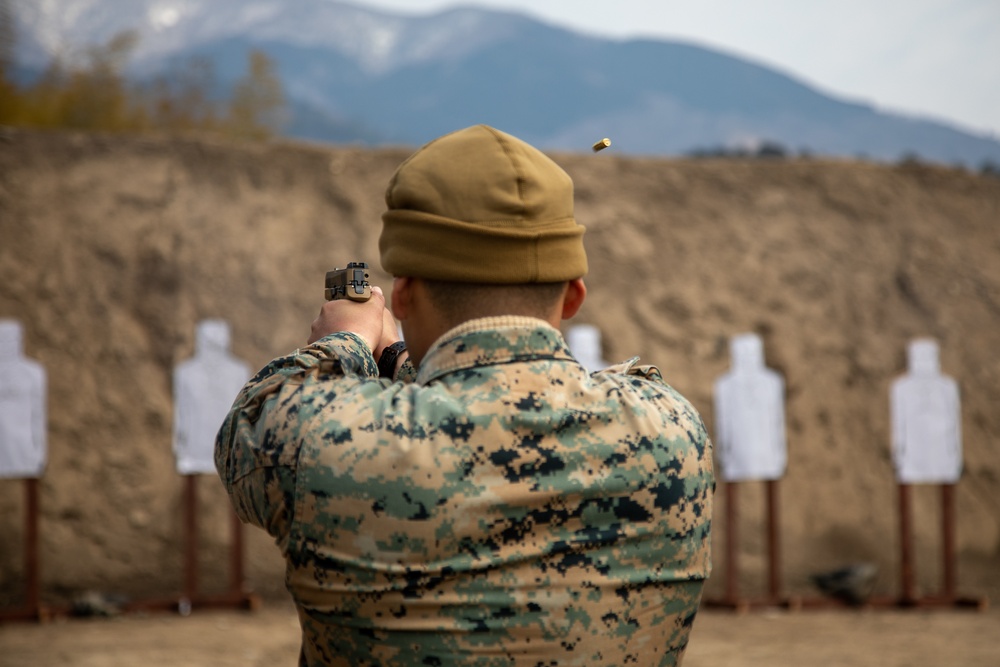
(387, 362)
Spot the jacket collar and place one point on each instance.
(489, 341)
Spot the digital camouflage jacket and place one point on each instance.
(499, 507)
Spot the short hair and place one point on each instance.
(458, 302)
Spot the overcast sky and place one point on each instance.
(931, 58)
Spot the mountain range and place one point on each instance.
(357, 74)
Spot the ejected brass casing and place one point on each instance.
(602, 144)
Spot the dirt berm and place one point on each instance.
(113, 248)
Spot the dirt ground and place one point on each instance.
(269, 638)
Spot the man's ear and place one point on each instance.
(576, 292)
(402, 297)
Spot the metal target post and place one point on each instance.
(732, 598)
(31, 609)
(191, 597)
(948, 594)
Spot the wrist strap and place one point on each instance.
(387, 362)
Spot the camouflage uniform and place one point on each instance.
(498, 507)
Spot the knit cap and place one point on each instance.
(481, 206)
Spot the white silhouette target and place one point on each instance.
(584, 342)
(205, 387)
(23, 421)
(750, 415)
(926, 420)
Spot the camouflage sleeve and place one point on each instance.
(258, 468)
(407, 372)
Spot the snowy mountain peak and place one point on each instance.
(165, 15)
(378, 41)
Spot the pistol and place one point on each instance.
(350, 283)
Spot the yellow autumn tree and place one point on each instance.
(258, 101)
(89, 96)
(96, 97)
(94, 94)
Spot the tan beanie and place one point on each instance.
(481, 206)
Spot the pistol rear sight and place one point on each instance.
(350, 283)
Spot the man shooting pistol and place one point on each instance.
(473, 496)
